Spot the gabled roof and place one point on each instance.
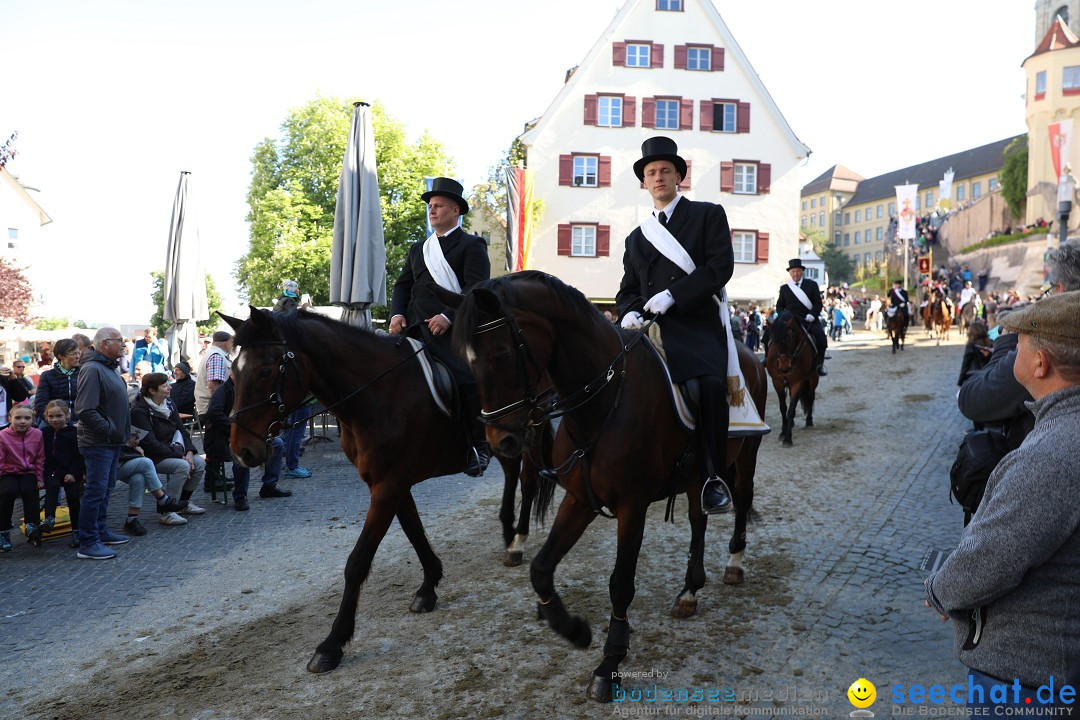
(1058, 36)
(969, 163)
(837, 177)
(735, 54)
(22, 192)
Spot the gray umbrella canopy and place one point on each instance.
(358, 256)
(185, 280)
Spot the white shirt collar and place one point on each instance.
(669, 209)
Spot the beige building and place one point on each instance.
(663, 67)
(824, 196)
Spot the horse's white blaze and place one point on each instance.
(736, 560)
(518, 546)
(240, 361)
(470, 354)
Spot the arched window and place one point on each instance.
(1063, 13)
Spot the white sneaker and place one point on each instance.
(192, 509)
(171, 518)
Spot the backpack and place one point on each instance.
(980, 452)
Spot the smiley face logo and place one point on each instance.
(862, 693)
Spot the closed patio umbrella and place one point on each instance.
(358, 255)
(185, 281)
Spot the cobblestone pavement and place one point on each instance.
(851, 547)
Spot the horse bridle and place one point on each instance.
(794, 353)
(538, 403)
(277, 397)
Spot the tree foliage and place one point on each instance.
(837, 264)
(1014, 176)
(52, 323)
(293, 195)
(157, 296)
(16, 294)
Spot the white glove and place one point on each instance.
(660, 303)
(809, 317)
(632, 321)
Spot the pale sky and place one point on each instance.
(113, 98)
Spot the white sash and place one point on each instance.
(436, 264)
(800, 295)
(743, 415)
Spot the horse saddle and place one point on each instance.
(891, 312)
(439, 380)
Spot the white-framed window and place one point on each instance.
(813, 202)
(892, 209)
(976, 189)
(667, 114)
(813, 221)
(836, 217)
(878, 234)
(836, 238)
(744, 245)
(583, 241)
(724, 116)
(13, 233)
(1070, 78)
(993, 183)
(918, 206)
(847, 239)
(929, 199)
(821, 201)
(858, 236)
(1040, 82)
(803, 220)
(821, 219)
(745, 178)
(586, 170)
(609, 111)
(638, 55)
(959, 193)
(877, 256)
(866, 258)
(804, 208)
(847, 218)
(675, 5)
(858, 216)
(698, 58)
(880, 210)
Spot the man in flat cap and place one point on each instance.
(455, 260)
(673, 266)
(1011, 587)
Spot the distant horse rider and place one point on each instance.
(801, 296)
(967, 295)
(455, 260)
(898, 298)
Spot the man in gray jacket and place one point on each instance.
(101, 406)
(1012, 587)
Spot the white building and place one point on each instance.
(21, 219)
(664, 67)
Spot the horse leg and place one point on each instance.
(793, 405)
(570, 522)
(516, 551)
(511, 469)
(407, 515)
(785, 429)
(621, 588)
(808, 403)
(686, 603)
(745, 467)
(381, 511)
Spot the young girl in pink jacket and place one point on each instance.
(22, 473)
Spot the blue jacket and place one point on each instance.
(156, 354)
(55, 385)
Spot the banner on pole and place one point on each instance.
(519, 221)
(945, 189)
(1060, 140)
(906, 216)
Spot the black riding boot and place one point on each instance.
(715, 494)
(479, 451)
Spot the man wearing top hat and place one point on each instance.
(801, 296)
(673, 265)
(455, 260)
(898, 298)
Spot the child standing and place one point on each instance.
(63, 466)
(22, 468)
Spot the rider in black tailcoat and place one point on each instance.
(898, 298)
(810, 317)
(694, 336)
(414, 303)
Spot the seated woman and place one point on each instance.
(167, 442)
(183, 388)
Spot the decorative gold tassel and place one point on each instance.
(736, 395)
(654, 336)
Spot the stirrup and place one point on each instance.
(720, 487)
(477, 461)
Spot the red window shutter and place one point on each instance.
(706, 115)
(763, 247)
(680, 57)
(618, 54)
(591, 109)
(648, 112)
(742, 122)
(764, 178)
(604, 171)
(603, 240)
(564, 239)
(717, 59)
(686, 114)
(685, 184)
(657, 56)
(629, 111)
(727, 177)
(566, 169)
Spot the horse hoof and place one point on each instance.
(599, 689)
(787, 442)
(323, 662)
(581, 635)
(809, 422)
(513, 559)
(684, 608)
(733, 576)
(423, 604)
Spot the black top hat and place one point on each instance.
(447, 188)
(795, 263)
(659, 148)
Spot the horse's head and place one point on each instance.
(269, 386)
(786, 339)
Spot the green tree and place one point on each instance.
(52, 323)
(157, 296)
(1014, 174)
(837, 264)
(293, 194)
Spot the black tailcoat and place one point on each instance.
(694, 337)
(788, 301)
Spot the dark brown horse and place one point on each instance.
(391, 430)
(791, 365)
(896, 329)
(620, 446)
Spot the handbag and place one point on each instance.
(979, 453)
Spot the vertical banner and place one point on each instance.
(519, 222)
(945, 190)
(906, 216)
(1060, 139)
